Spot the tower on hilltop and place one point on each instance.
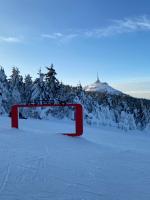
(97, 81)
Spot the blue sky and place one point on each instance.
(81, 38)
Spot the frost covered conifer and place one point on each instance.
(51, 83)
(27, 88)
(38, 88)
(4, 94)
(15, 86)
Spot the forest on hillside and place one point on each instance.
(121, 111)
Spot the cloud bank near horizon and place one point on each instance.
(140, 89)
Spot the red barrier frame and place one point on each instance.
(78, 115)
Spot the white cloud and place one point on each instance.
(126, 25)
(53, 35)
(60, 36)
(10, 39)
(116, 27)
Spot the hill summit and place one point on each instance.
(101, 87)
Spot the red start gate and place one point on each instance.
(78, 115)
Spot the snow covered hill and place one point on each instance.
(99, 86)
(100, 108)
(38, 163)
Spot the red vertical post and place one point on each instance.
(14, 116)
(79, 119)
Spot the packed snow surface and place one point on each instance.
(37, 162)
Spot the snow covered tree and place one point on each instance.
(28, 88)
(15, 86)
(51, 83)
(4, 94)
(38, 88)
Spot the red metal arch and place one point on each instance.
(78, 115)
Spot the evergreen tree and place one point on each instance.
(4, 94)
(28, 88)
(51, 83)
(38, 88)
(15, 86)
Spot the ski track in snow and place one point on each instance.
(36, 163)
(5, 179)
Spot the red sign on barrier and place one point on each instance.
(78, 115)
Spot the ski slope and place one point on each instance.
(38, 163)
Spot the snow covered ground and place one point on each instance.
(38, 163)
